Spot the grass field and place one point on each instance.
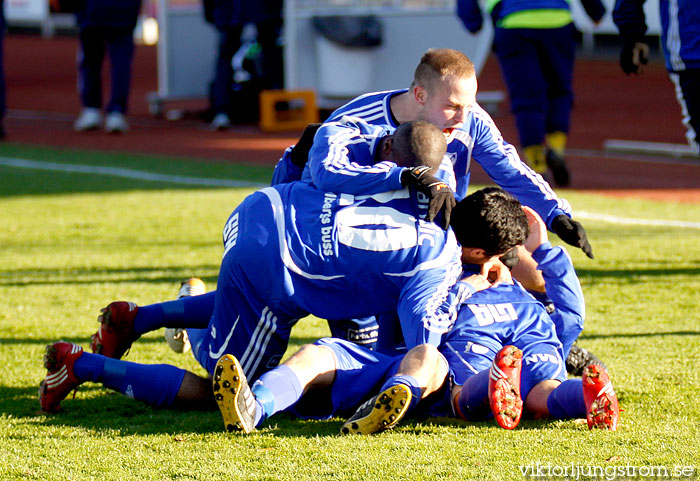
(72, 242)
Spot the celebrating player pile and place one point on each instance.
(362, 223)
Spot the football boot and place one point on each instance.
(381, 412)
(504, 387)
(116, 333)
(233, 395)
(60, 380)
(602, 409)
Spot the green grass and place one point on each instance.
(70, 243)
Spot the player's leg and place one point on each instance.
(158, 385)
(229, 43)
(421, 372)
(177, 337)
(687, 85)
(557, 58)
(244, 408)
(120, 44)
(121, 322)
(90, 58)
(516, 50)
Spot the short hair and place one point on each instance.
(419, 143)
(439, 63)
(490, 219)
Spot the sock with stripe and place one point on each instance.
(155, 384)
(406, 380)
(473, 403)
(192, 311)
(275, 391)
(566, 401)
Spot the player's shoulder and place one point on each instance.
(502, 293)
(370, 106)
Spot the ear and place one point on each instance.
(386, 147)
(420, 94)
(474, 255)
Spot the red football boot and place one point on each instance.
(116, 333)
(504, 387)
(59, 381)
(602, 410)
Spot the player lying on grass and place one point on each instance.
(476, 371)
(290, 251)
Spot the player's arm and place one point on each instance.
(501, 162)
(561, 283)
(424, 309)
(629, 18)
(470, 14)
(341, 159)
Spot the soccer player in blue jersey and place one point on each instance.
(443, 92)
(473, 351)
(290, 251)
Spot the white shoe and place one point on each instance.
(177, 337)
(89, 119)
(220, 122)
(116, 123)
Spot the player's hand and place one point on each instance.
(300, 152)
(572, 233)
(538, 230)
(441, 196)
(633, 57)
(496, 271)
(478, 281)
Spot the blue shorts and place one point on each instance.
(541, 362)
(360, 373)
(243, 323)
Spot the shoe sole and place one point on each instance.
(392, 404)
(601, 412)
(504, 397)
(228, 382)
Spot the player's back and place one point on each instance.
(501, 315)
(350, 256)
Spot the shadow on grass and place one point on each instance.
(97, 409)
(78, 276)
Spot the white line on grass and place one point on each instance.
(177, 179)
(628, 221)
(125, 173)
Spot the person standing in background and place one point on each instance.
(535, 44)
(105, 25)
(680, 42)
(229, 17)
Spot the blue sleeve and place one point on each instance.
(285, 170)
(424, 314)
(470, 14)
(564, 289)
(501, 162)
(628, 16)
(342, 160)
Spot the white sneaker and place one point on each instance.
(89, 119)
(220, 122)
(116, 123)
(177, 337)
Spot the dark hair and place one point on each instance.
(439, 63)
(419, 143)
(490, 219)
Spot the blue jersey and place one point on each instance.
(680, 29)
(478, 138)
(344, 256)
(490, 319)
